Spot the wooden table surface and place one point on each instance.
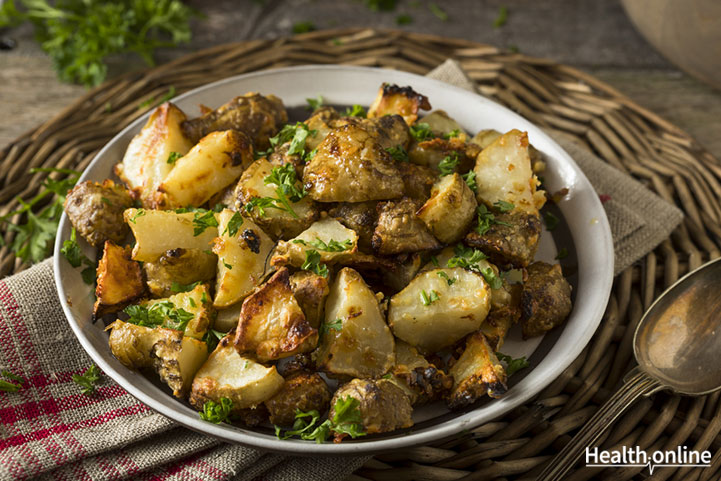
(593, 35)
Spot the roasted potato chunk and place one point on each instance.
(399, 275)
(441, 124)
(403, 101)
(258, 116)
(227, 318)
(120, 280)
(418, 181)
(96, 211)
(351, 166)
(213, 164)
(328, 237)
(383, 406)
(476, 373)
(132, 345)
(322, 121)
(503, 173)
(359, 216)
(546, 299)
(430, 153)
(505, 312)
(310, 290)
(304, 391)
(196, 302)
(176, 360)
(450, 210)
(272, 324)
(158, 231)
(179, 267)
(511, 240)
(358, 341)
(422, 381)
(400, 230)
(145, 164)
(430, 314)
(242, 258)
(276, 222)
(240, 379)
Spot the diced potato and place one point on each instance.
(179, 266)
(272, 325)
(158, 231)
(145, 164)
(400, 275)
(503, 173)
(176, 359)
(241, 259)
(279, 224)
(310, 290)
(404, 101)
(305, 391)
(325, 230)
(132, 345)
(120, 280)
(512, 240)
(442, 124)
(420, 380)
(400, 230)
(546, 299)
(450, 210)
(196, 302)
(358, 343)
(476, 373)
(227, 374)
(486, 137)
(430, 314)
(227, 318)
(430, 153)
(213, 164)
(359, 216)
(322, 121)
(96, 211)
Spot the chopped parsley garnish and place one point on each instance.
(486, 219)
(285, 179)
(470, 179)
(421, 131)
(233, 224)
(202, 221)
(438, 12)
(446, 277)
(303, 27)
(315, 104)
(217, 413)
(449, 163)
(10, 386)
(173, 157)
(434, 260)
(138, 213)
(159, 314)
(332, 245)
(88, 380)
(261, 203)
(336, 325)
(404, 20)
(106, 201)
(550, 220)
(312, 263)
(211, 338)
(562, 254)
(355, 111)
(503, 206)
(71, 251)
(227, 266)
(466, 258)
(347, 419)
(428, 299)
(501, 18)
(512, 365)
(453, 133)
(493, 280)
(295, 134)
(175, 287)
(398, 153)
(192, 302)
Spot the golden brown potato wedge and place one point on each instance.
(441, 124)
(403, 101)
(198, 303)
(546, 299)
(176, 359)
(302, 390)
(328, 237)
(476, 373)
(132, 345)
(120, 280)
(272, 325)
(310, 290)
(422, 381)
(400, 230)
(177, 268)
(450, 210)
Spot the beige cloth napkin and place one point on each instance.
(639, 219)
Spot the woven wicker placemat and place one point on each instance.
(553, 96)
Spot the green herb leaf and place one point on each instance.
(212, 337)
(501, 18)
(175, 287)
(332, 245)
(88, 380)
(355, 111)
(8, 386)
(303, 27)
(13, 377)
(227, 266)
(398, 153)
(470, 179)
(71, 251)
(233, 224)
(453, 133)
(385, 5)
(503, 206)
(446, 277)
(421, 131)
(551, 221)
(173, 157)
(138, 213)
(202, 221)
(434, 260)
(336, 325)
(428, 299)
(159, 314)
(151, 101)
(466, 258)
(512, 365)
(448, 165)
(404, 20)
(261, 203)
(217, 413)
(562, 254)
(438, 12)
(315, 104)
(287, 191)
(347, 418)
(312, 263)
(494, 281)
(486, 217)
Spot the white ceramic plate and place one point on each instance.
(586, 231)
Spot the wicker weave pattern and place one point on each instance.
(554, 96)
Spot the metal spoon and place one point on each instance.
(677, 345)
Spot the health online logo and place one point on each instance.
(637, 457)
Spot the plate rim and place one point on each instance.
(442, 430)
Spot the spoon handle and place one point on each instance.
(636, 384)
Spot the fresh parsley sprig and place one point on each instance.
(336, 325)
(14, 384)
(233, 224)
(175, 287)
(314, 104)
(71, 251)
(428, 299)
(217, 413)
(512, 365)
(159, 314)
(398, 153)
(355, 111)
(448, 165)
(312, 263)
(88, 380)
(347, 419)
(470, 179)
(486, 218)
(285, 180)
(203, 220)
(332, 245)
(421, 131)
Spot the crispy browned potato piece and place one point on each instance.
(272, 324)
(351, 166)
(322, 121)
(310, 290)
(403, 101)
(505, 312)
(476, 373)
(441, 124)
(258, 116)
(96, 211)
(359, 216)
(510, 241)
(430, 153)
(120, 280)
(389, 130)
(303, 390)
(546, 299)
(450, 209)
(182, 266)
(422, 381)
(384, 407)
(400, 230)
(418, 181)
